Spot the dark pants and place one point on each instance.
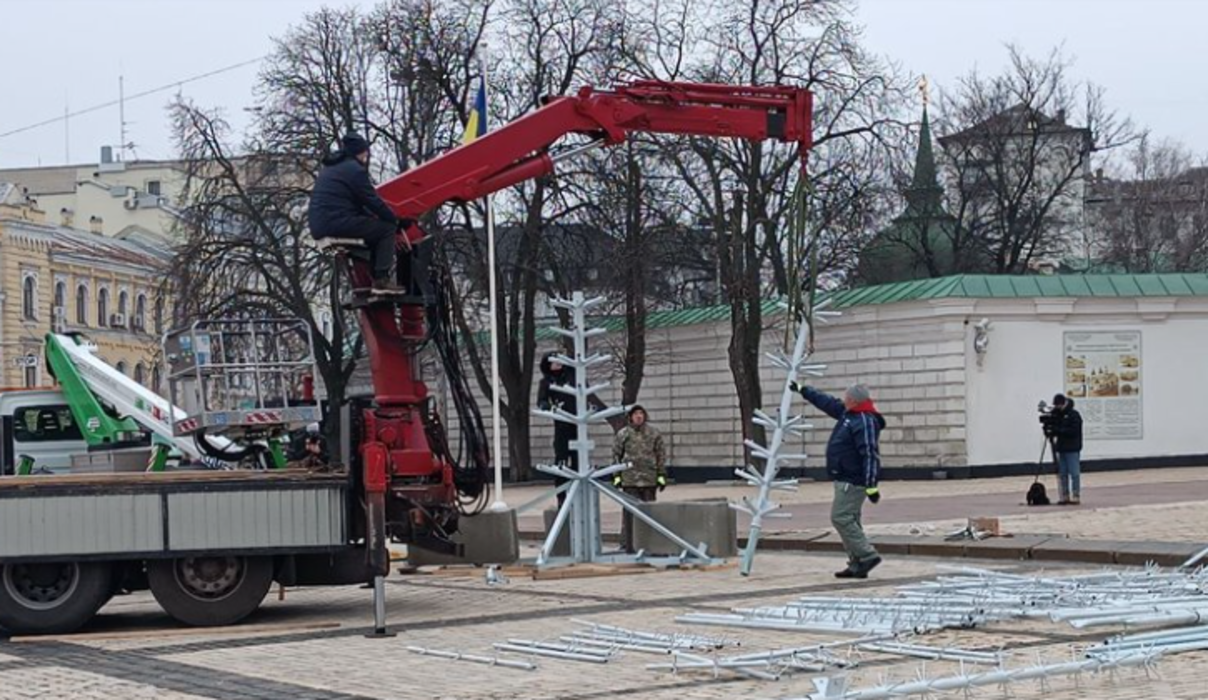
(645, 494)
(378, 236)
(565, 456)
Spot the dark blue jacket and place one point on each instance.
(853, 454)
(342, 198)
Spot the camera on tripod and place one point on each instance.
(1049, 418)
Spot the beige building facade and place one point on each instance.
(128, 200)
(67, 280)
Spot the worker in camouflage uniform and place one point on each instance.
(640, 444)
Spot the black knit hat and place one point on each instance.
(1059, 400)
(354, 144)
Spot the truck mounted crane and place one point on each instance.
(177, 535)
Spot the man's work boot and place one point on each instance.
(849, 572)
(863, 567)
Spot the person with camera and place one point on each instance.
(853, 460)
(1063, 428)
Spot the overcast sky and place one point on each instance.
(68, 54)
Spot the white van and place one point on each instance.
(38, 423)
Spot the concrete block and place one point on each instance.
(892, 544)
(936, 547)
(488, 538)
(829, 542)
(562, 544)
(1083, 551)
(1160, 553)
(1005, 547)
(711, 521)
(795, 542)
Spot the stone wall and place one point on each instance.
(912, 358)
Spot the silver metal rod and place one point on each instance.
(474, 658)
(560, 647)
(538, 651)
(379, 604)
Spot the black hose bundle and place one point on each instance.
(471, 466)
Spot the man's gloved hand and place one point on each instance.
(616, 480)
(795, 387)
(873, 493)
(661, 480)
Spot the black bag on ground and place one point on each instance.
(1037, 495)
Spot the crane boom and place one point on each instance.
(519, 150)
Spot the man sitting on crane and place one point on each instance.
(344, 204)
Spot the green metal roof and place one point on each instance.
(955, 287)
(1026, 287)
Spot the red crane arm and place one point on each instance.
(518, 150)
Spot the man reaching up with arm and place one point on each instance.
(853, 461)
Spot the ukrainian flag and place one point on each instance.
(476, 125)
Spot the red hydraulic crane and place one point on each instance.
(410, 489)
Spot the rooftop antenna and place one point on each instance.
(121, 111)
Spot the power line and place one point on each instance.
(144, 93)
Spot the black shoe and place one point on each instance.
(850, 573)
(385, 284)
(863, 567)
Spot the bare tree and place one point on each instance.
(543, 49)
(1019, 147)
(748, 191)
(1154, 218)
(245, 251)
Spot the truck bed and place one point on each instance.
(141, 515)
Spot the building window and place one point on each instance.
(153, 187)
(140, 313)
(159, 315)
(102, 307)
(60, 295)
(82, 305)
(123, 303)
(140, 373)
(29, 298)
(121, 367)
(31, 371)
(155, 378)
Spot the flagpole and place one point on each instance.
(499, 505)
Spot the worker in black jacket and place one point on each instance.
(1066, 433)
(554, 373)
(344, 204)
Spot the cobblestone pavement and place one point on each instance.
(312, 643)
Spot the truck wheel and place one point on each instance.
(210, 591)
(54, 597)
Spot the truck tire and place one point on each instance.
(52, 597)
(210, 591)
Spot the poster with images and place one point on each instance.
(1103, 376)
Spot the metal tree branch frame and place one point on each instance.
(784, 424)
(581, 509)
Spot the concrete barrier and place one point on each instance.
(488, 538)
(711, 521)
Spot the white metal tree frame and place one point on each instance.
(585, 484)
(784, 424)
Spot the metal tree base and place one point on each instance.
(580, 511)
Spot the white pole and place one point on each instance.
(499, 505)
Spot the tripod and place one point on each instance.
(1036, 494)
